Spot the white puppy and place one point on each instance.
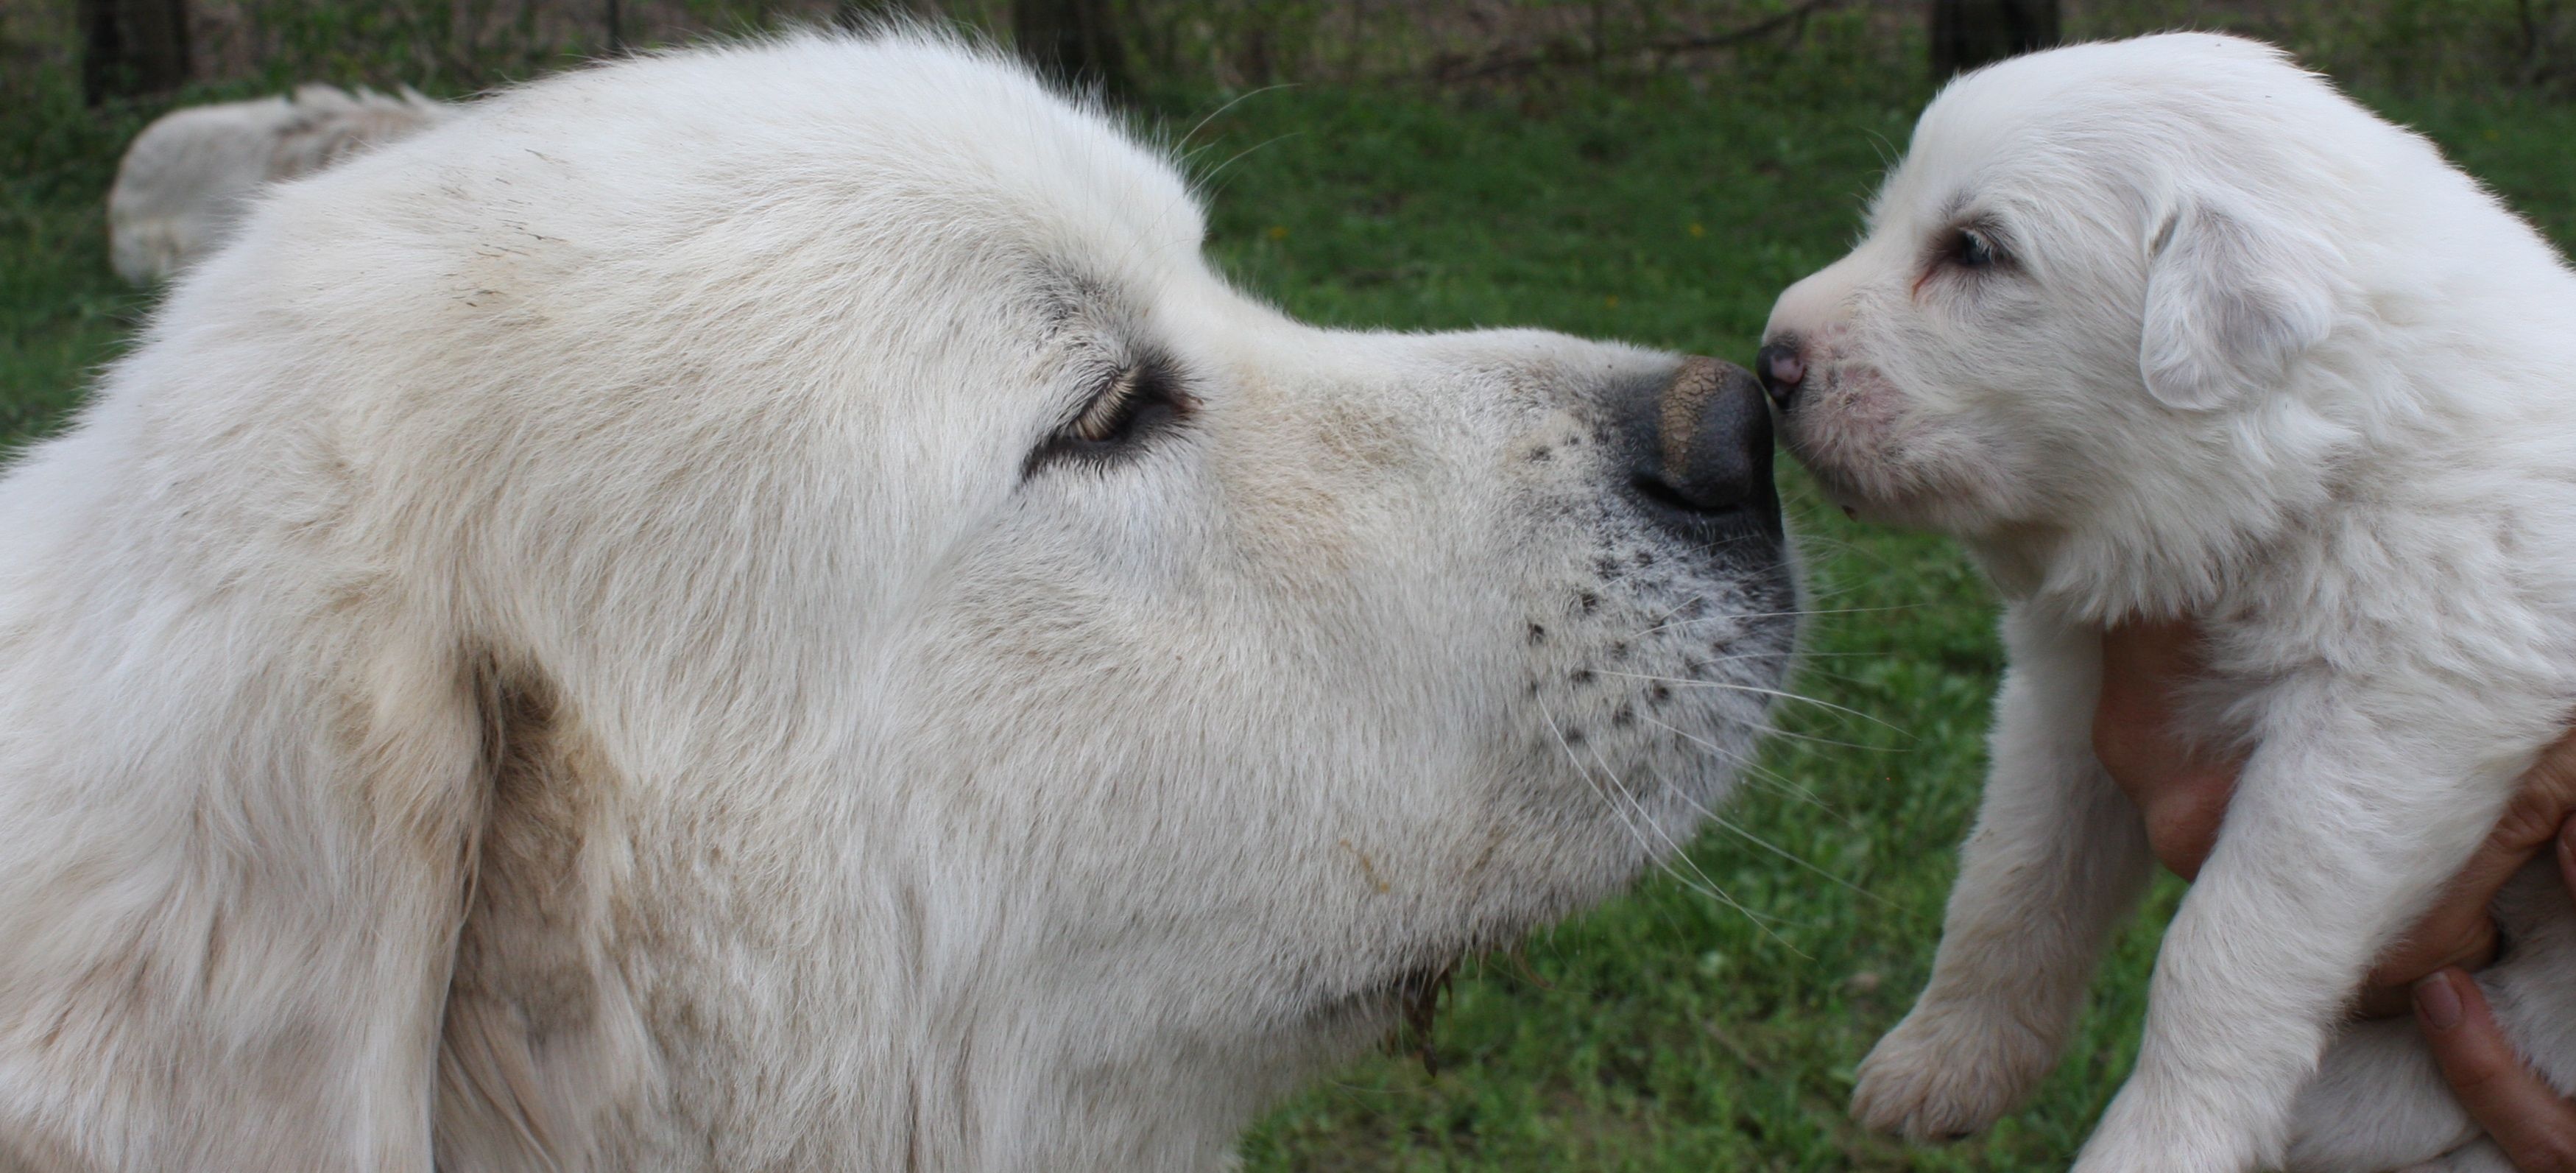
(190, 176)
(2170, 328)
(765, 608)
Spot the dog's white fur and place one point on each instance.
(2254, 356)
(190, 176)
(565, 647)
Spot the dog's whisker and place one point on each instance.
(1219, 170)
(1669, 612)
(1795, 858)
(1760, 775)
(1757, 690)
(1836, 742)
(1586, 774)
(1775, 849)
(1673, 846)
(1705, 886)
(1740, 616)
(1219, 112)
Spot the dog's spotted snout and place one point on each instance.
(1703, 458)
(1781, 365)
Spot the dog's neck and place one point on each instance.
(867, 1048)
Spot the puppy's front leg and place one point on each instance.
(2380, 1102)
(2057, 858)
(2337, 836)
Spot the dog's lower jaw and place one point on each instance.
(1170, 1115)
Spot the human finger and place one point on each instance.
(2458, 931)
(2528, 1119)
(2567, 855)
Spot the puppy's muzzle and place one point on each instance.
(1701, 445)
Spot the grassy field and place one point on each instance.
(1674, 1028)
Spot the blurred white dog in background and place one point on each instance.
(2168, 327)
(189, 177)
(765, 608)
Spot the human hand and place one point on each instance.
(2180, 788)
(2182, 793)
(2458, 932)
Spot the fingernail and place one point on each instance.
(2567, 844)
(2437, 1003)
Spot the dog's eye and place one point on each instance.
(1131, 407)
(1114, 415)
(1972, 249)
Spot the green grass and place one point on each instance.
(62, 311)
(1670, 1029)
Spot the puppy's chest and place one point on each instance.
(2432, 645)
(2473, 586)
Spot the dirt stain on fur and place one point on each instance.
(1368, 868)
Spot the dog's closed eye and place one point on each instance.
(1130, 408)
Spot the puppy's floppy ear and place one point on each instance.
(2234, 297)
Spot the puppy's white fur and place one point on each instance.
(190, 176)
(2251, 355)
(577, 643)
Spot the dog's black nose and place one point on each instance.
(1781, 365)
(1706, 466)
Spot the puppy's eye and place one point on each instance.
(1130, 408)
(1972, 249)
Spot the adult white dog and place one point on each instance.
(2170, 328)
(764, 608)
(190, 176)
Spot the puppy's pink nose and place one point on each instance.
(1781, 364)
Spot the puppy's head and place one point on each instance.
(2092, 264)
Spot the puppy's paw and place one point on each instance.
(2161, 1123)
(1948, 1071)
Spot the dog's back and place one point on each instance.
(187, 179)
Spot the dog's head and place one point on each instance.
(2083, 291)
(959, 674)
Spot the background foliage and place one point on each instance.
(1621, 168)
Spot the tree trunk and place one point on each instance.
(1970, 33)
(131, 48)
(1073, 42)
